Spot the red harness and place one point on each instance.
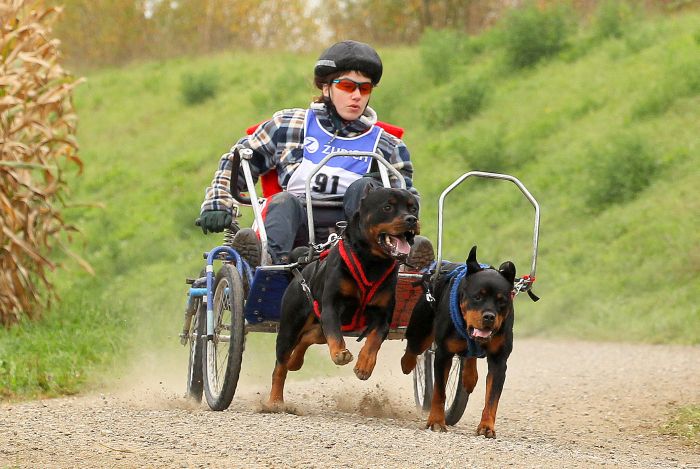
(367, 289)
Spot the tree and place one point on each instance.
(37, 143)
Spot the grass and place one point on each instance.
(65, 353)
(686, 424)
(622, 269)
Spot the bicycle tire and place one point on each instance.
(422, 380)
(456, 397)
(198, 327)
(223, 354)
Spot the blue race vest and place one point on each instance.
(334, 178)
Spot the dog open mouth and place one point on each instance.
(480, 335)
(397, 246)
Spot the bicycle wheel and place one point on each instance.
(422, 381)
(223, 353)
(198, 327)
(456, 397)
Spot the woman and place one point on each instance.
(294, 140)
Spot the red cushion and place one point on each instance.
(268, 181)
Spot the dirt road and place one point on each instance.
(565, 404)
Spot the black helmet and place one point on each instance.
(350, 55)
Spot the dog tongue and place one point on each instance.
(401, 245)
(480, 333)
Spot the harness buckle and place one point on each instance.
(332, 241)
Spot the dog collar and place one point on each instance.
(473, 348)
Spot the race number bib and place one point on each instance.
(334, 178)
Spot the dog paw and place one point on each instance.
(272, 407)
(343, 357)
(486, 431)
(436, 427)
(362, 374)
(408, 363)
(278, 407)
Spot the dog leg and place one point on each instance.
(367, 359)
(494, 386)
(339, 351)
(330, 323)
(441, 370)
(419, 333)
(294, 316)
(408, 361)
(276, 401)
(470, 376)
(312, 334)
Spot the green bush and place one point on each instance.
(609, 20)
(462, 101)
(487, 150)
(530, 34)
(441, 52)
(619, 170)
(198, 87)
(681, 80)
(283, 92)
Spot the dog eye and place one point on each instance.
(388, 208)
(476, 297)
(413, 209)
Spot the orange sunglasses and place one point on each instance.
(349, 86)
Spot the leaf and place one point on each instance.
(82, 262)
(27, 248)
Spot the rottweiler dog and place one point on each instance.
(350, 289)
(473, 318)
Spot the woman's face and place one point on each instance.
(350, 105)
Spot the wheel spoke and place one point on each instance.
(452, 383)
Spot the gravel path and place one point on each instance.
(565, 404)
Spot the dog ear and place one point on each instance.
(473, 265)
(366, 190)
(507, 269)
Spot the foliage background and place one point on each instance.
(602, 130)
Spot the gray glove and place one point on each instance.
(214, 221)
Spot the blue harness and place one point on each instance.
(473, 348)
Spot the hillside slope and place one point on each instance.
(604, 134)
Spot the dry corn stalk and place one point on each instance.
(37, 142)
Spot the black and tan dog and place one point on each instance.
(350, 289)
(472, 316)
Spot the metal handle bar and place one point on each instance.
(322, 163)
(483, 174)
(241, 159)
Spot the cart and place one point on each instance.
(225, 304)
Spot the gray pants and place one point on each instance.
(285, 219)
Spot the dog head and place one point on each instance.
(486, 298)
(387, 222)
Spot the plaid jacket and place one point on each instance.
(278, 143)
